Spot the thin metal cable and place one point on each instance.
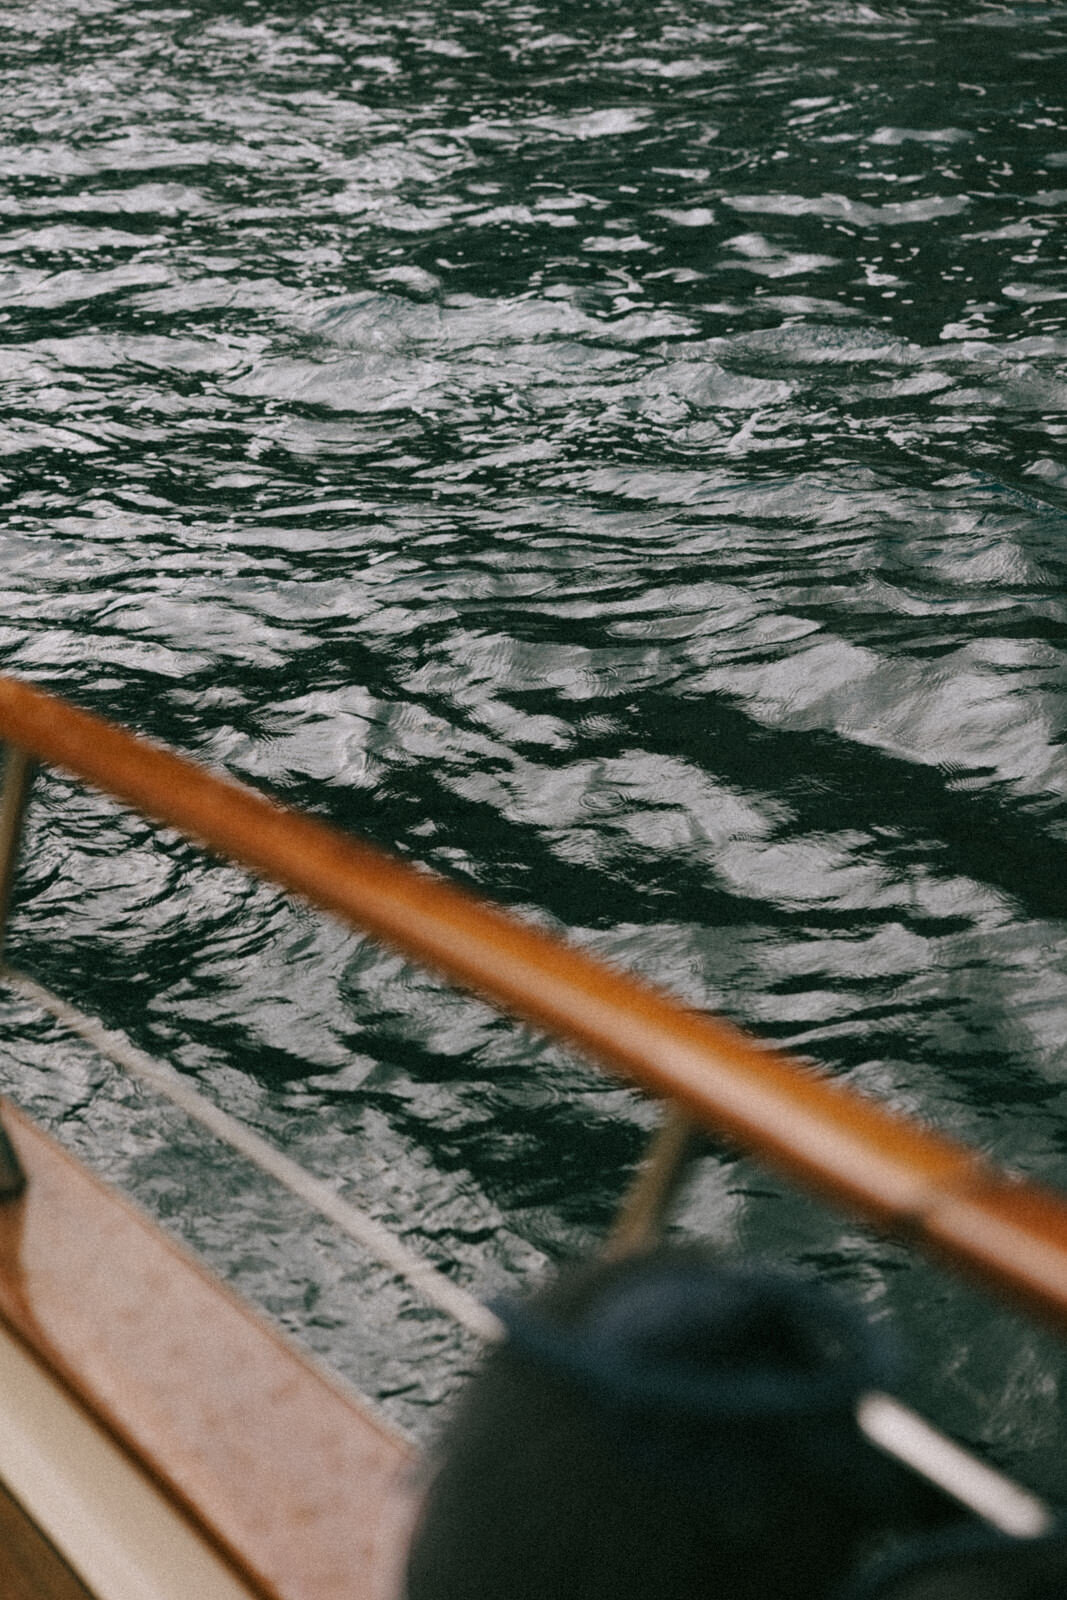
(351, 1220)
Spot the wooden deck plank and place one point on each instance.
(303, 1489)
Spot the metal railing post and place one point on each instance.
(18, 778)
(12, 1177)
(645, 1206)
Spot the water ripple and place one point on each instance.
(617, 464)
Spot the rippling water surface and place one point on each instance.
(614, 455)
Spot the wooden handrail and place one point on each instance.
(846, 1147)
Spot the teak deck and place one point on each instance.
(301, 1489)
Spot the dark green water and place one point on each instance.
(614, 454)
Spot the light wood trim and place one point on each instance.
(112, 1524)
(30, 1567)
(294, 1483)
(846, 1147)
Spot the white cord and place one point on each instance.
(908, 1437)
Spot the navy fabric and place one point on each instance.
(669, 1427)
(727, 1382)
(735, 1343)
(971, 1563)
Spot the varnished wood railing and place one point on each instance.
(846, 1147)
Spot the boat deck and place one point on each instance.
(288, 1486)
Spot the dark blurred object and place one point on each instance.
(666, 1427)
(972, 1563)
